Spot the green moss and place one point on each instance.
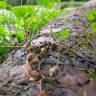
(92, 75)
(82, 42)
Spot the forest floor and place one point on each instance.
(58, 68)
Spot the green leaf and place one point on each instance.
(2, 4)
(3, 51)
(24, 11)
(20, 36)
(93, 26)
(64, 34)
(57, 1)
(91, 15)
(9, 7)
(3, 19)
(20, 11)
(21, 22)
(56, 35)
(2, 31)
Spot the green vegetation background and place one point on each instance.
(18, 23)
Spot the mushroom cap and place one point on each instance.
(30, 57)
(34, 61)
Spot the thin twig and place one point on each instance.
(2, 46)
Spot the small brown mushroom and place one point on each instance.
(30, 72)
(35, 61)
(30, 57)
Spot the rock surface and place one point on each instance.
(73, 57)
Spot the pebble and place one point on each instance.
(19, 54)
(51, 60)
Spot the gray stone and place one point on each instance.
(51, 60)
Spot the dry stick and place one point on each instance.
(39, 67)
(41, 87)
(2, 46)
(58, 60)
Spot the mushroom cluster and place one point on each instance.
(24, 73)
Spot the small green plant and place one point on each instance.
(10, 23)
(38, 17)
(61, 35)
(93, 26)
(9, 7)
(15, 22)
(91, 16)
(3, 40)
(8, 27)
(23, 11)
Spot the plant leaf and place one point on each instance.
(64, 34)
